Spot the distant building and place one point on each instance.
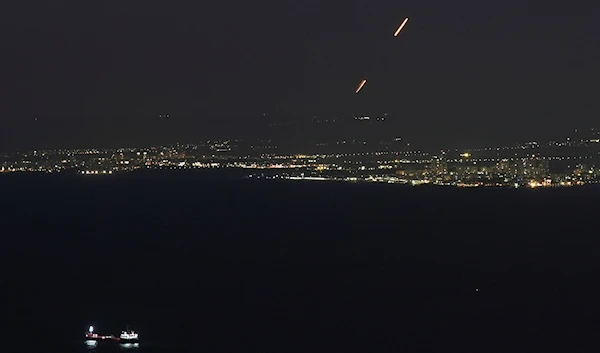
(438, 167)
(535, 167)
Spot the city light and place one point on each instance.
(532, 164)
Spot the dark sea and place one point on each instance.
(214, 263)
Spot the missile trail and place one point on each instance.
(401, 26)
(362, 83)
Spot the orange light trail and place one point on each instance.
(401, 26)
(362, 83)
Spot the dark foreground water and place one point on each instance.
(205, 265)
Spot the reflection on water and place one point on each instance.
(93, 346)
(125, 346)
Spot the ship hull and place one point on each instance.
(125, 341)
(100, 338)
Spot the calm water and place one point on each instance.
(200, 264)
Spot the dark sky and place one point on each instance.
(98, 73)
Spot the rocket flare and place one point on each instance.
(362, 83)
(401, 26)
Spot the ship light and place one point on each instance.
(91, 329)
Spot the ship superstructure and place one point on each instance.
(128, 337)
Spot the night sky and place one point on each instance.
(99, 73)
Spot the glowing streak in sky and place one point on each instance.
(401, 26)
(362, 83)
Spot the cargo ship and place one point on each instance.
(92, 336)
(127, 336)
